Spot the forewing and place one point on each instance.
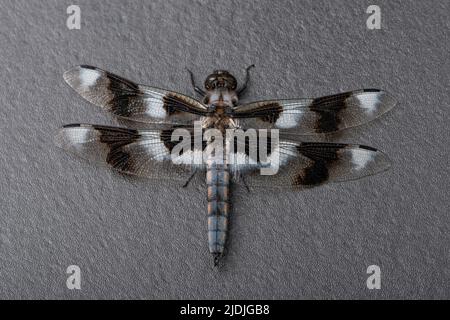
(320, 115)
(145, 153)
(136, 102)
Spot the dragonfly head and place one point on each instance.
(220, 79)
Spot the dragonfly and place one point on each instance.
(148, 151)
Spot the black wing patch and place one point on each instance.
(320, 115)
(127, 99)
(306, 163)
(337, 162)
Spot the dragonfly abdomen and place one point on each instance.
(218, 181)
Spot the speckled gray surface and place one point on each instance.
(137, 239)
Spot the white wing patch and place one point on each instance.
(361, 158)
(76, 137)
(291, 115)
(155, 108)
(155, 105)
(288, 119)
(154, 147)
(88, 77)
(369, 101)
(156, 150)
(282, 153)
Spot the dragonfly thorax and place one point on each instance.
(220, 121)
(220, 99)
(220, 103)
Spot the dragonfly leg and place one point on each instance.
(245, 183)
(189, 179)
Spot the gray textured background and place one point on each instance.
(138, 239)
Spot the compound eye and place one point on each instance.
(209, 84)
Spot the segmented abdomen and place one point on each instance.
(218, 180)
